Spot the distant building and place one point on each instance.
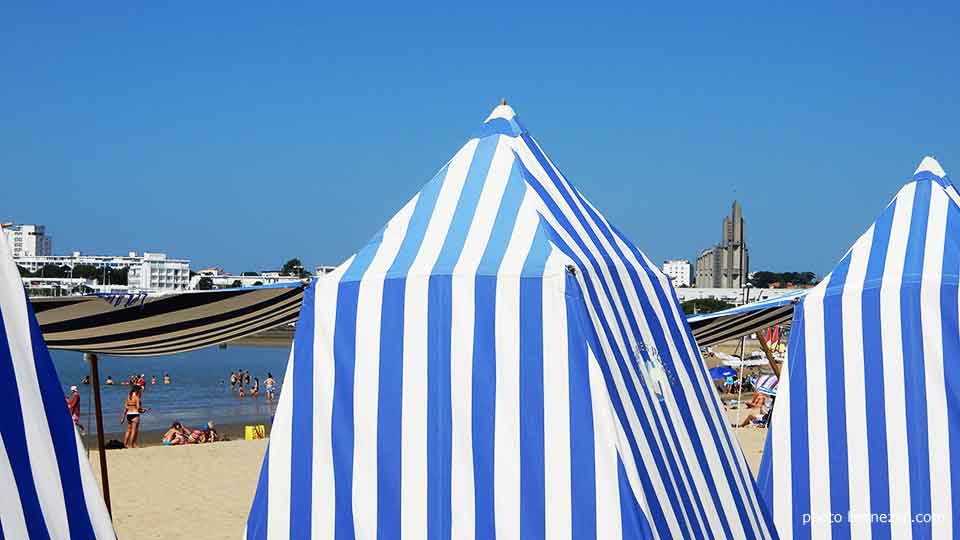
(150, 272)
(679, 271)
(726, 264)
(734, 296)
(155, 272)
(28, 240)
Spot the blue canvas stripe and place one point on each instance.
(463, 216)
(257, 520)
(836, 398)
(62, 434)
(301, 443)
(342, 428)
(873, 374)
(532, 473)
(15, 441)
(633, 524)
(799, 444)
(439, 407)
(914, 372)
(417, 226)
(389, 410)
(949, 310)
(499, 126)
(504, 223)
(583, 482)
(484, 404)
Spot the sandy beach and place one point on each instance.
(205, 491)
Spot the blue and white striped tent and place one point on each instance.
(47, 489)
(499, 361)
(865, 437)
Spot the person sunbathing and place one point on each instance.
(176, 435)
(758, 401)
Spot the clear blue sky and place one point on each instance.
(242, 135)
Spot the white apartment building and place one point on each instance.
(679, 271)
(149, 272)
(28, 240)
(155, 272)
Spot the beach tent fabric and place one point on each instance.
(712, 328)
(141, 324)
(865, 437)
(499, 362)
(48, 489)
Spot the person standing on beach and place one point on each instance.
(73, 403)
(268, 386)
(132, 409)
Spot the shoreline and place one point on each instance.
(152, 437)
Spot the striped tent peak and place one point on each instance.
(49, 490)
(920, 196)
(931, 165)
(499, 181)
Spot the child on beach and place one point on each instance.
(268, 386)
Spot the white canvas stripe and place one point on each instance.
(367, 386)
(819, 446)
(556, 401)
(894, 398)
(605, 450)
(97, 509)
(941, 499)
(278, 517)
(782, 470)
(43, 460)
(463, 284)
(12, 521)
(506, 436)
(858, 465)
(324, 488)
(413, 458)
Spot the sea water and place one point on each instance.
(199, 390)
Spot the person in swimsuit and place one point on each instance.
(255, 389)
(132, 409)
(233, 380)
(268, 386)
(176, 435)
(109, 380)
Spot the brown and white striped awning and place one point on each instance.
(148, 325)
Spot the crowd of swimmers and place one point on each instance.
(240, 379)
(134, 380)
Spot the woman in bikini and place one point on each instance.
(132, 409)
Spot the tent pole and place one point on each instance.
(95, 375)
(769, 354)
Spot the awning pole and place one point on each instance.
(95, 374)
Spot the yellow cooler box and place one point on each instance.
(254, 432)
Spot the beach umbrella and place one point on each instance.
(722, 372)
(48, 489)
(499, 361)
(865, 439)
